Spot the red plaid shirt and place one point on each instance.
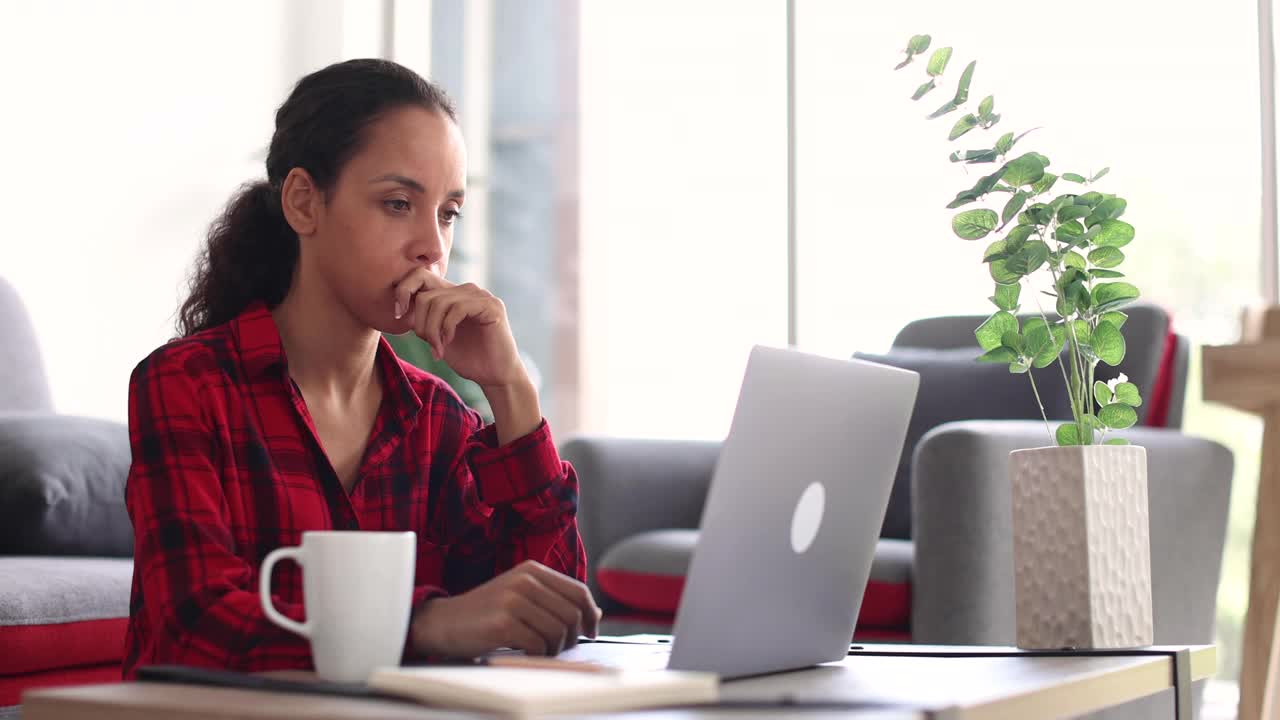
(227, 467)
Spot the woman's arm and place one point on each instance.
(195, 590)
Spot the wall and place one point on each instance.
(126, 126)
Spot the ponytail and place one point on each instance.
(250, 255)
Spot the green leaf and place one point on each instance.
(1005, 143)
(1044, 343)
(1029, 258)
(1110, 296)
(975, 156)
(962, 126)
(997, 250)
(1068, 434)
(1024, 170)
(1006, 297)
(1106, 256)
(998, 355)
(1019, 366)
(1118, 416)
(1065, 306)
(1080, 329)
(1127, 393)
(1090, 199)
(916, 45)
(991, 332)
(1115, 441)
(1078, 293)
(1109, 209)
(962, 90)
(1044, 183)
(1115, 317)
(1075, 260)
(1108, 344)
(920, 91)
(1072, 212)
(1012, 207)
(946, 108)
(938, 62)
(1098, 274)
(987, 104)
(1114, 233)
(980, 188)
(1001, 273)
(1069, 231)
(1101, 393)
(974, 224)
(1020, 234)
(1072, 177)
(1012, 340)
(1101, 172)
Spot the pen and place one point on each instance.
(539, 663)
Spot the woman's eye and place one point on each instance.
(451, 216)
(397, 205)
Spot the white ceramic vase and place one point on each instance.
(1081, 547)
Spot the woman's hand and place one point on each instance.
(465, 325)
(530, 607)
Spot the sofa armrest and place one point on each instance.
(628, 486)
(963, 525)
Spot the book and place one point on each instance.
(529, 690)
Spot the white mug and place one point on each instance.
(357, 589)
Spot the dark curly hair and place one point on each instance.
(251, 252)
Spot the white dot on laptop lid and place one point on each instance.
(807, 517)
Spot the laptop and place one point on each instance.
(791, 520)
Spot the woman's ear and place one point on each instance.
(300, 200)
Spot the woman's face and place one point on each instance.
(391, 210)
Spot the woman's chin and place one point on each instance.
(392, 326)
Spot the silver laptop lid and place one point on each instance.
(793, 514)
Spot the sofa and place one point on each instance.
(943, 568)
(65, 539)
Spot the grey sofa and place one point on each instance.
(65, 541)
(641, 499)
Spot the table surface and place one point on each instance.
(897, 681)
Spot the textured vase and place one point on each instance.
(1081, 547)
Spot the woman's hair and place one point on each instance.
(251, 252)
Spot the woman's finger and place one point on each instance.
(546, 624)
(441, 302)
(571, 591)
(418, 280)
(422, 305)
(452, 318)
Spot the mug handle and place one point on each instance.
(264, 588)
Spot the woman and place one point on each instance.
(281, 409)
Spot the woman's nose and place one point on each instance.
(430, 248)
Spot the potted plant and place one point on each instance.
(1082, 568)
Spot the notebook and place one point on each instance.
(531, 691)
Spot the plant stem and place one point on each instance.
(1075, 414)
(1048, 429)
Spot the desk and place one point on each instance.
(888, 682)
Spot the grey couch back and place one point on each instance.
(953, 387)
(23, 385)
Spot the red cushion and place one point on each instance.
(12, 686)
(1162, 388)
(35, 648)
(885, 605)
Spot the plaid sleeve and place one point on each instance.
(199, 599)
(510, 504)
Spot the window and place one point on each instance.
(1111, 84)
